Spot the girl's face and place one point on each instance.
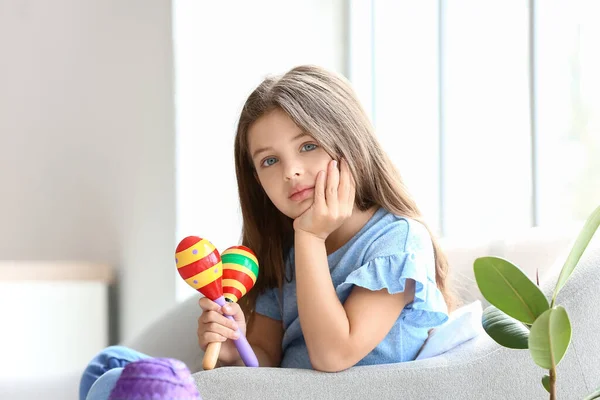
(286, 160)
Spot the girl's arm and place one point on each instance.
(338, 336)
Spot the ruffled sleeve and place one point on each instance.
(267, 304)
(391, 272)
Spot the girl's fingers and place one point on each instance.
(209, 317)
(320, 202)
(234, 310)
(231, 308)
(209, 337)
(221, 330)
(216, 324)
(333, 182)
(344, 189)
(208, 305)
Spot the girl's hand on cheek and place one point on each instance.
(333, 203)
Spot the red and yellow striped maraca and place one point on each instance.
(199, 264)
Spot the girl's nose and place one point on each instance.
(293, 170)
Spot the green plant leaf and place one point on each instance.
(505, 286)
(549, 337)
(546, 382)
(505, 330)
(586, 234)
(595, 395)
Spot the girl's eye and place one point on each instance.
(269, 161)
(309, 147)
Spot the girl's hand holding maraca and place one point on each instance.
(213, 326)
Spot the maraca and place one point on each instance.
(199, 264)
(240, 269)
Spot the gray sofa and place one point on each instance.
(476, 369)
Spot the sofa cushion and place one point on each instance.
(462, 325)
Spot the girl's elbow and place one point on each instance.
(330, 363)
(328, 368)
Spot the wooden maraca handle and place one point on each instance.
(211, 355)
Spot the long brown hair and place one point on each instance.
(324, 105)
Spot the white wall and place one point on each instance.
(222, 52)
(87, 142)
(87, 127)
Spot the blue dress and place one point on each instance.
(386, 252)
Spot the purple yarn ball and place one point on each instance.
(155, 378)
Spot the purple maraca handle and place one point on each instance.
(241, 343)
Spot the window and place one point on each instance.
(490, 110)
(567, 88)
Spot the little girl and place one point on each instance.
(349, 275)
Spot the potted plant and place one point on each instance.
(520, 316)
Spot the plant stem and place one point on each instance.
(553, 383)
